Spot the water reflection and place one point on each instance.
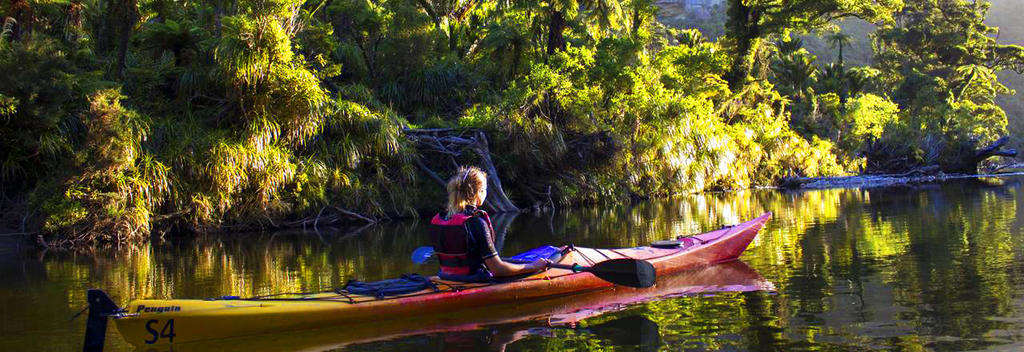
(930, 267)
(635, 332)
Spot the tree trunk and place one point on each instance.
(21, 12)
(556, 35)
(125, 38)
(843, 91)
(503, 204)
(501, 223)
(74, 21)
(101, 28)
(114, 30)
(517, 52)
(218, 18)
(743, 29)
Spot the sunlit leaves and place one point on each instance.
(795, 72)
(866, 118)
(661, 114)
(113, 199)
(251, 47)
(938, 62)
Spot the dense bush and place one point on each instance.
(122, 118)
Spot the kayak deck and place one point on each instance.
(175, 321)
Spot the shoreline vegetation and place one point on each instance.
(126, 119)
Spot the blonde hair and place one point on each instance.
(464, 186)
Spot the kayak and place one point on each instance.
(151, 322)
(565, 312)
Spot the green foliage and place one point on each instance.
(752, 21)
(940, 61)
(274, 110)
(618, 121)
(795, 71)
(40, 93)
(694, 66)
(112, 197)
(867, 116)
(181, 39)
(863, 121)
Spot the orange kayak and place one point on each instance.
(180, 321)
(556, 312)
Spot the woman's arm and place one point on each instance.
(500, 267)
(485, 239)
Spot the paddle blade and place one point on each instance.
(422, 255)
(626, 272)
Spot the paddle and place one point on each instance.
(422, 255)
(623, 271)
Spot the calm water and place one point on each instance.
(933, 268)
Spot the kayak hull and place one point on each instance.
(555, 312)
(177, 321)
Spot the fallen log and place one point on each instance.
(968, 164)
(995, 149)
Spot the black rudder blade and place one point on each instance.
(100, 307)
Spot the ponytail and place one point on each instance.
(464, 186)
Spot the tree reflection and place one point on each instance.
(855, 269)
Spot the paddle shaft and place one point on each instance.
(622, 271)
(575, 267)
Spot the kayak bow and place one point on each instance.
(176, 321)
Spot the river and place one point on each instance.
(932, 267)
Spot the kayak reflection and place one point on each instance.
(497, 326)
(634, 332)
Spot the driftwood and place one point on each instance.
(1007, 166)
(336, 215)
(909, 176)
(450, 144)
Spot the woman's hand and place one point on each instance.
(538, 264)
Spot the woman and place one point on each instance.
(463, 237)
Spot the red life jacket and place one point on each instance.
(454, 245)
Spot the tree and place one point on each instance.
(939, 53)
(602, 14)
(450, 18)
(751, 21)
(115, 28)
(20, 20)
(938, 59)
(795, 72)
(840, 40)
(180, 38)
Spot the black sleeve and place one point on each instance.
(482, 237)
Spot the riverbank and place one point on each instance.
(348, 226)
(877, 181)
